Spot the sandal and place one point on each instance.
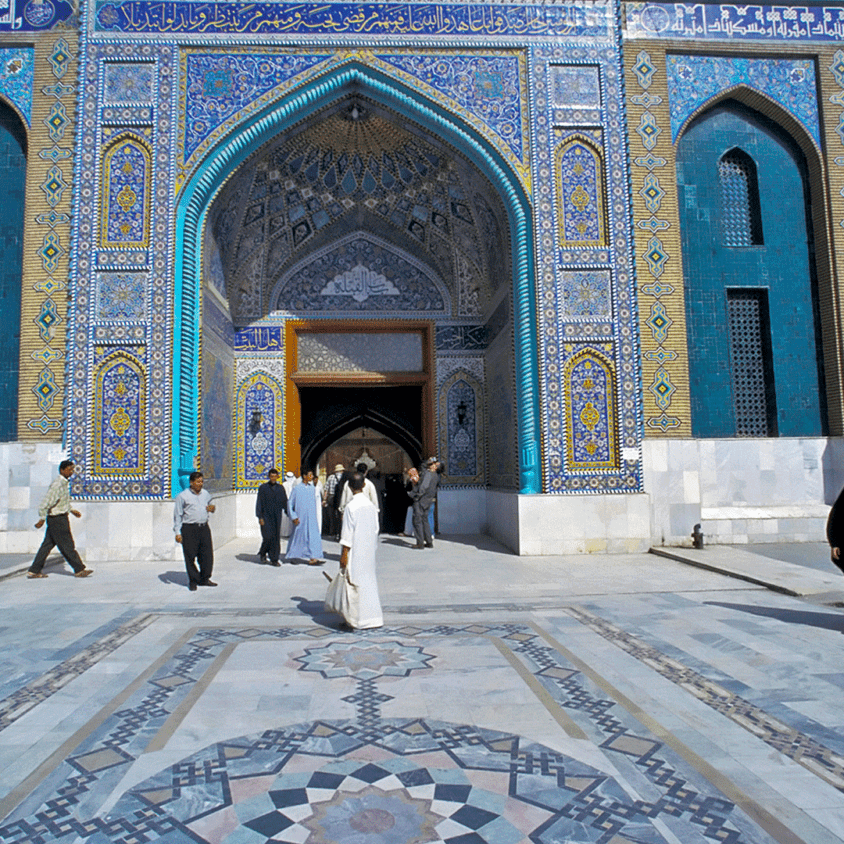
(31, 575)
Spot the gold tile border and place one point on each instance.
(52, 88)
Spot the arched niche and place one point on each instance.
(731, 282)
(234, 149)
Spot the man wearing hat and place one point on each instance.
(332, 529)
(424, 495)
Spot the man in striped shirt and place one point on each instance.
(55, 509)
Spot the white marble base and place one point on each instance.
(742, 491)
(569, 524)
(461, 511)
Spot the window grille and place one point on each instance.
(754, 399)
(742, 218)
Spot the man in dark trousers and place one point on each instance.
(835, 531)
(424, 495)
(55, 509)
(271, 504)
(190, 522)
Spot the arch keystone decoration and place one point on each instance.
(245, 139)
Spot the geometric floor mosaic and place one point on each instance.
(577, 702)
(373, 779)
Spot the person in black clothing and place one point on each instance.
(835, 531)
(424, 496)
(271, 504)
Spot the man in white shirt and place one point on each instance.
(190, 522)
(368, 490)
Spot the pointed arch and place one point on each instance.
(793, 263)
(591, 423)
(740, 206)
(368, 418)
(125, 192)
(580, 178)
(232, 150)
(259, 440)
(762, 103)
(461, 428)
(119, 416)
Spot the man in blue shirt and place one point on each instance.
(190, 522)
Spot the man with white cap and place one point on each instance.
(286, 524)
(333, 527)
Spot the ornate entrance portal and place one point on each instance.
(358, 272)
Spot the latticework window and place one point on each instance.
(754, 399)
(742, 218)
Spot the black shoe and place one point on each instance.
(207, 583)
(429, 544)
(263, 560)
(275, 563)
(418, 547)
(192, 586)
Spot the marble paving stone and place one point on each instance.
(520, 699)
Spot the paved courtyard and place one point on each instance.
(623, 699)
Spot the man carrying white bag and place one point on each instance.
(354, 592)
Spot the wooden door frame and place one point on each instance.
(295, 379)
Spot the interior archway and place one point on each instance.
(334, 92)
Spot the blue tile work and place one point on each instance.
(35, 15)
(16, 68)
(153, 121)
(119, 399)
(750, 21)
(563, 334)
(461, 429)
(217, 453)
(402, 777)
(692, 80)
(559, 67)
(122, 296)
(260, 427)
(126, 193)
(128, 83)
(490, 87)
(220, 85)
(580, 207)
(591, 439)
(12, 180)
(360, 275)
(351, 20)
(781, 265)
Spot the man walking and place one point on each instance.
(55, 508)
(358, 543)
(269, 508)
(305, 541)
(190, 522)
(424, 495)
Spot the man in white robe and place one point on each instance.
(305, 542)
(358, 543)
(290, 480)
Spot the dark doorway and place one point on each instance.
(328, 413)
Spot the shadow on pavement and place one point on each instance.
(177, 578)
(316, 610)
(826, 621)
